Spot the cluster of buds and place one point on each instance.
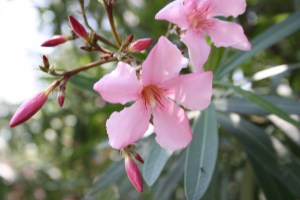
(131, 167)
(77, 29)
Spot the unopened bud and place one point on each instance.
(55, 40)
(140, 45)
(61, 95)
(138, 157)
(46, 62)
(130, 38)
(29, 108)
(134, 174)
(78, 28)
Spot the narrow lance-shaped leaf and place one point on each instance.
(268, 106)
(257, 143)
(261, 42)
(201, 155)
(155, 163)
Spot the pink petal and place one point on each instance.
(193, 91)
(128, 126)
(171, 126)
(119, 86)
(174, 12)
(163, 62)
(228, 34)
(197, 47)
(227, 8)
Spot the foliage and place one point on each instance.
(246, 144)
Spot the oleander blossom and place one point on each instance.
(154, 93)
(196, 19)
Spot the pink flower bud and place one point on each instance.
(55, 40)
(77, 27)
(134, 174)
(28, 109)
(138, 157)
(61, 95)
(140, 44)
(61, 99)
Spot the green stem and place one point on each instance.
(105, 41)
(108, 9)
(70, 73)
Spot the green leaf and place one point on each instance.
(167, 184)
(243, 106)
(155, 163)
(258, 144)
(261, 42)
(201, 155)
(267, 105)
(83, 82)
(113, 174)
(273, 189)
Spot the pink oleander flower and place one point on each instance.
(55, 40)
(29, 108)
(78, 28)
(134, 174)
(196, 18)
(154, 92)
(140, 45)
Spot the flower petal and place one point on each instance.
(227, 8)
(193, 91)
(163, 62)
(174, 12)
(197, 47)
(119, 86)
(228, 34)
(171, 126)
(128, 126)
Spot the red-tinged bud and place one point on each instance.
(55, 40)
(134, 174)
(140, 45)
(130, 38)
(77, 27)
(138, 157)
(46, 62)
(29, 108)
(61, 95)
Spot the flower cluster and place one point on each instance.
(157, 91)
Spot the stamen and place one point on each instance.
(152, 96)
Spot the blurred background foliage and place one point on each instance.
(61, 152)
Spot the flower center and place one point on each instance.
(198, 19)
(152, 96)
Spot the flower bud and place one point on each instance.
(77, 27)
(55, 40)
(140, 45)
(138, 157)
(29, 108)
(133, 174)
(61, 95)
(46, 62)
